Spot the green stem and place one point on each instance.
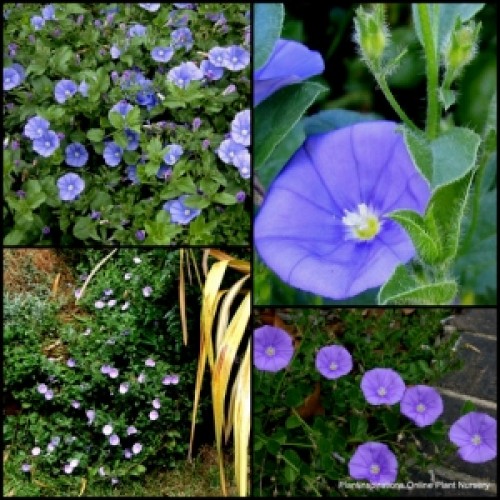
(305, 478)
(432, 70)
(382, 83)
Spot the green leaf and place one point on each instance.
(95, 135)
(85, 228)
(116, 120)
(224, 198)
(333, 119)
(292, 422)
(420, 151)
(453, 155)
(268, 22)
(277, 115)
(467, 407)
(197, 201)
(121, 139)
(403, 288)
(185, 185)
(15, 237)
(133, 117)
(447, 97)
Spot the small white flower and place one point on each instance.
(36, 451)
(107, 430)
(137, 260)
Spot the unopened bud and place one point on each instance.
(461, 47)
(371, 33)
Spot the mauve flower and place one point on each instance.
(71, 363)
(151, 7)
(167, 380)
(112, 302)
(382, 386)
(153, 415)
(49, 395)
(228, 149)
(124, 386)
(68, 469)
(162, 54)
(476, 436)
(174, 379)
(114, 372)
(112, 154)
(42, 388)
(107, 429)
(70, 186)
(127, 453)
(240, 128)
(333, 361)
(290, 62)
(75, 404)
(131, 430)
(115, 52)
(180, 213)
(374, 462)
(38, 22)
(147, 291)
(150, 362)
(174, 152)
(240, 196)
(196, 124)
(422, 404)
(156, 404)
(105, 369)
(140, 234)
(114, 440)
(36, 127)
(99, 304)
(236, 58)
(36, 451)
(210, 71)
(76, 155)
(65, 89)
(136, 448)
(323, 226)
(183, 74)
(46, 144)
(272, 348)
(90, 415)
(26, 467)
(46, 230)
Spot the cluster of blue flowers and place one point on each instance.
(48, 14)
(233, 150)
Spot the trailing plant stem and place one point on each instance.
(432, 70)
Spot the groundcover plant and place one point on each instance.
(392, 206)
(344, 403)
(100, 385)
(126, 123)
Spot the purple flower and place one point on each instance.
(68, 469)
(71, 363)
(37, 22)
(46, 230)
(99, 304)
(210, 71)
(36, 127)
(127, 453)
(162, 54)
(48, 12)
(242, 162)
(131, 430)
(374, 462)
(137, 30)
(382, 386)
(179, 212)
(174, 379)
(183, 74)
(49, 395)
(112, 303)
(47, 144)
(105, 369)
(147, 291)
(125, 306)
(182, 37)
(76, 155)
(149, 362)
(240, 196)
(146, 98)
(124, 386)
(151, 7)
(236, 58)
(167, 380)
(122, 107)
(333, 361)
(65, 89)
(83, 88)
(114, 440)
(228, 150)
(90, 415)
(131, 172)
(340, 200)
(42, 388)
(107, 429)
(26, 467)
(108, 292)
(240, 128)
(153, 415)
(136, 448)
(70, 186)
(95, 215)
(75, 404)
(290, 62)
(156, 403)
(112, 154)
(422, 404)
(174, 152)
(196, 123)
(11, 78)
(476, 436)
(115, 52)
(36, 451)
(140, 235)
(113, 373)
(114, 480)
(217, 57)
(272, 348)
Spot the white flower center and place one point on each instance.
(420, 408)
(187, 211)
(77, 154)
(39, 130)
(244, 131)
(71, 187)
(160, 52)
(180, 81)
(374, 468)
(231, 154)
(270, 351)
(235, 59)
(333, 366)
(117, 154)
(67, 92)
(381, 391)
(476, 440)
(7, 79)
(244, 170)
(363, 224)
(219, 59)
(47, 143)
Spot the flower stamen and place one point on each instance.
(361, 224)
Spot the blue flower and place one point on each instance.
(112, 154)
(210, 71)
(146, 98)
(183, 74)
(131, 172)
(184, 5)
(180, 213)
(122, 107)
(228, 149)
(49, 13)
(46, 144)
(290, 62)
(162, 54)
(36, 127)
(133, 139)
(65, 89)
(240, 128)
(83, 88)
(137, 30)
(151, 7)
(182, 37)
(11, 78)
(217, 56)
(115, 52)
(164, 172)
(37, 22)
(76, 155)
(241, 161)
(70, 186)
(236, 58)
(323, 226)
(174, 152)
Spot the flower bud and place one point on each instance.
(371, 33)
